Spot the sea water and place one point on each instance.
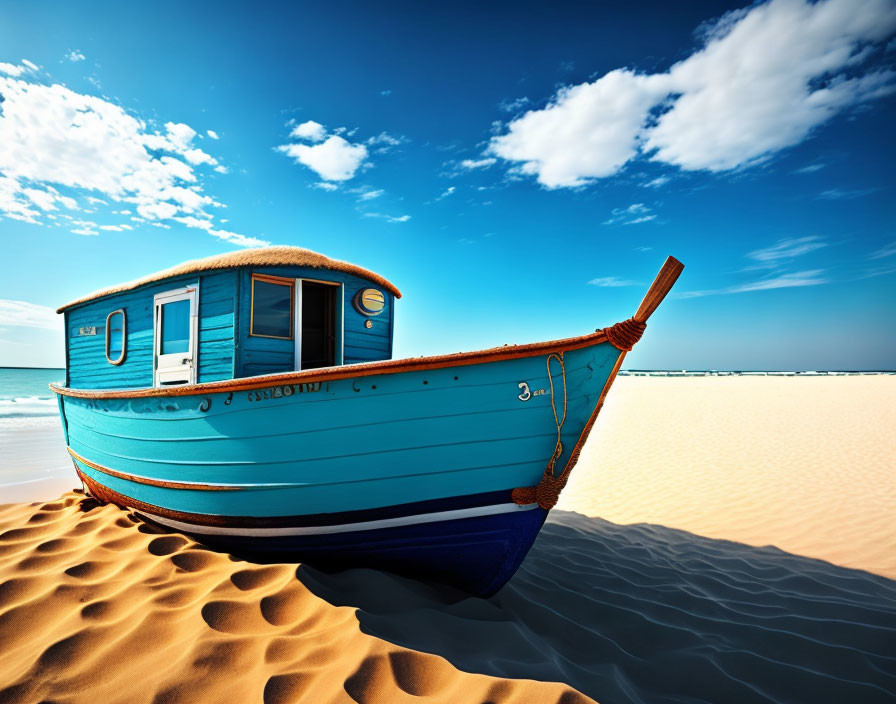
(24, 392)
(36, 465)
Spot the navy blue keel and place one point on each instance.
(478, 555)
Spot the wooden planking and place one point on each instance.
(87, 365)
(216, 326)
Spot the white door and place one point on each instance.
(175, 332)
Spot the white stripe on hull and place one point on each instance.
(343, 528)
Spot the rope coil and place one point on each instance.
(623, 336)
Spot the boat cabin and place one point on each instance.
(247, 313)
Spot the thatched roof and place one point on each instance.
(267, 256)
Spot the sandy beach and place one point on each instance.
(722, 539)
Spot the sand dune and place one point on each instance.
(805, 464)
(97, 607)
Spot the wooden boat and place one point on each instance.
(250, 401)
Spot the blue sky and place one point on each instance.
(520, 171)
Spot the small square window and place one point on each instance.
(116, 337)
(272, 307)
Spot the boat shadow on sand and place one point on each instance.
(645, 613)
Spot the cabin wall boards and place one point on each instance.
(221, 344)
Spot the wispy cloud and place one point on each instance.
(611, 282)
(788, 249)
(632, 215)
(74, 56)
(58, 146)
(810, 169)
(368, 194)
(845, 194)
(472, 164)
(888, 250)
(212, 134)
(444, 194)
(514, 105)
(813, 277)
(388, 218)
(385, 142)
(28, 315)
(765, 78)
(657, 182)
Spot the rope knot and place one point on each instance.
(545, 494)
(624, 335)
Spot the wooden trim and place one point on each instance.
(124, 337)
(151, 482)
(350, 371)
(280, 256)
(281, 281)
(312, 520)
(661, 285)
(319, 281)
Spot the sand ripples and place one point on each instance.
(96, 606)
(646, 613)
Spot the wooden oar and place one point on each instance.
(664, 281)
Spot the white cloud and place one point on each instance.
(52, 137)
(10, 69)
(788, 249)
(74, 56)
(632, 215)
(334, 159)
(447, 192)
(388, 218)
(588, 131)
(764, 79)
(810, 169)
(28, 315)
(471, 164)
(657, 182)
(212, 134)
(370, 195)
(311, 130)
(29, 64)
(611, 282)
(324, 186)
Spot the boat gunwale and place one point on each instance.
(346, 371)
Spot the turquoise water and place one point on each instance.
(24, 392)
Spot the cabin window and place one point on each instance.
(116, 337)
(272, 307)
(175, 327)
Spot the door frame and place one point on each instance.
(338, 323)
(185, 293)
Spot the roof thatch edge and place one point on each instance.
(267, 256)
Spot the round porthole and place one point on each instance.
(370, 301)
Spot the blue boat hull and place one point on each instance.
(408, 471)
(478, 555)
